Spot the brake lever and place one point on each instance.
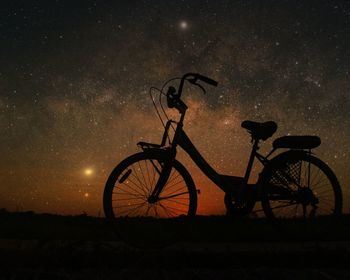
(193, 81)
(201, 87)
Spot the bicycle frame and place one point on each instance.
(219, 179)
(224, 182)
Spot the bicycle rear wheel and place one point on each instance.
(126, 199)
(299, 185)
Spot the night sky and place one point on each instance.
(74, 80)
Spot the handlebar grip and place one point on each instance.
(207, 80)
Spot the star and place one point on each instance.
(88, 171)
(183, 25)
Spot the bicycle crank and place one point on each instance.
(238, 207)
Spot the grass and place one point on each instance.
(45, 240)
(29, 225)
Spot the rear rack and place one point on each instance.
(145, 145)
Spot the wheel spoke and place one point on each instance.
(169, 212)
(148, 176)
(125, 192)
(309, 184)
(126, 199)
(128, 205)
(176, 209)
(143, 177)
(130, 211)
(174, 195)
(130, 196)
(137, 189)
(142, 182)
(177, 202)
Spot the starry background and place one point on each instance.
(74, 80)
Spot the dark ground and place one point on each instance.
(43, 246)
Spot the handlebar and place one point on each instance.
(174, 98)
(192, 78)
(207, 80)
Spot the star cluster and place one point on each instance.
(74, 80)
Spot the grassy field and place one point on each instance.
(217, 229)
(87, 247)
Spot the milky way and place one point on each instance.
(74, 82)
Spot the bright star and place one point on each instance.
(183, 25)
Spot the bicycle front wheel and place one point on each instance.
(128, 188)
(299, 185)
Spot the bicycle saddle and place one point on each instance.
(260, 130)
(297, 142)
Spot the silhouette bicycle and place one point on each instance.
(153, 183)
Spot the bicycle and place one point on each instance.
(153, 183)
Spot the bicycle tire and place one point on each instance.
(151, 222)
(276, 182)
